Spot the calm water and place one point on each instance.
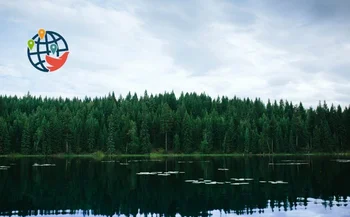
(298, 187)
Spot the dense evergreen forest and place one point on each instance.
(164, 123)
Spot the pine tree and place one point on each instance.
(190, 123)
(278, 139)
(346, 123)
(38, 140)
(187, 133)
(25, 149)
(317, 139)
(166, 122)
(67, 133)
(327, 143)
(204, 143)
(208, 134)
(246, 140)
(145, 138)
(254, 139)
(272, 133)
(103, 136)
(134, 140)
(92, 129)
(226, 143)
(46, 138)
(264, 136)
(177, 144)
(4, 138)
(110, 140)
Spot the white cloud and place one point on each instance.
(203, 47)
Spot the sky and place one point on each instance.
(296, 50)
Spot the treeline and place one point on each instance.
(190, 123)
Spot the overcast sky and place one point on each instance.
(297, 50)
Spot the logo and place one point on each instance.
(47, 51)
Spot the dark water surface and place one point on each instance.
(245, 186)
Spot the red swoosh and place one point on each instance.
(56, 63)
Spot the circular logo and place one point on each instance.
(47, 51)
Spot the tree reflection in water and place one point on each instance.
(92, 187)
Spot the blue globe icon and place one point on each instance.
(41, 49)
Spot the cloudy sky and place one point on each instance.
(297, 50)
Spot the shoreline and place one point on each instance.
(158, 155)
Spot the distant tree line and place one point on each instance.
(190, 123)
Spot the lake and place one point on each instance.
(210, 186)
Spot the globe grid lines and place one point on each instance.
(38, 42)
(39, 58)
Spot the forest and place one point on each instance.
(164, 123)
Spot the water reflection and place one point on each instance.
(314, 186)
